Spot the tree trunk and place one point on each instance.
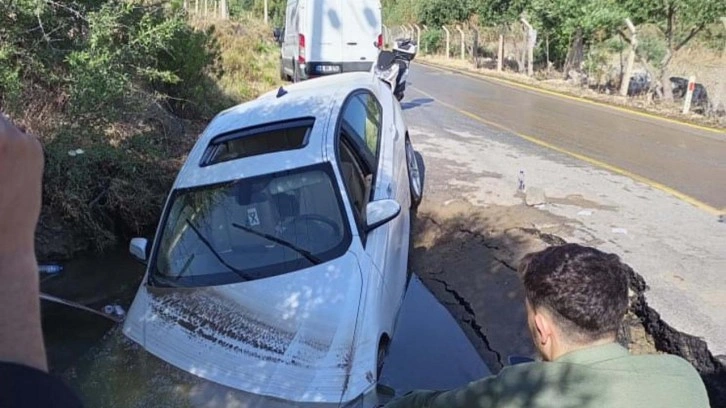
(530, 39)
(575, 54)
(625, 81)
(665, 80)
(547, 51)
(522, 56)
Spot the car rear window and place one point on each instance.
(270, 138)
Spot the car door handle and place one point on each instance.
(352, 43)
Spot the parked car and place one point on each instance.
(699, 99)
(323, 37)
(280, 261)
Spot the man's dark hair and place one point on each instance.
(586, 289)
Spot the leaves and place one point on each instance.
(437, 13)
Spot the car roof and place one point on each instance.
(317, 98)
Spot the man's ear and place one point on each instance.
(543, 325)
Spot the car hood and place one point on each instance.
(289, 336)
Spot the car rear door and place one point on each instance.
(362, 26)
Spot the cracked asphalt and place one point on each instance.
(473, 226)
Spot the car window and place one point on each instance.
(362, 117)
(251, 229)
(357, 182)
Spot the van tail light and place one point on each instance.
(380, 41)
(301, 50)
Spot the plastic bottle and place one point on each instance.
(50, 269)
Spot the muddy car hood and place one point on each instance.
(289, 337)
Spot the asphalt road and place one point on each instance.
(683, 158)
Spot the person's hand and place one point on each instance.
(21, 172)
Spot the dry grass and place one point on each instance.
(249, 57)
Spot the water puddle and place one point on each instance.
(429, 351)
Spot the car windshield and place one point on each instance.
(251, 229)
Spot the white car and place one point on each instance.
(280, 261)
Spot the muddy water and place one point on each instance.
(94, 281)
(429, 349)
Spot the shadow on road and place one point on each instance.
(416, 103)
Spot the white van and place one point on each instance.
(325, 37)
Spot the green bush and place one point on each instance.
(432, 40)
(436, 13)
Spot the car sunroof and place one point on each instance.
(269, 138)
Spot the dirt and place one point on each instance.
(672, 111)
(468, 255)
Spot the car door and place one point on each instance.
(362, 26)
(362, 130)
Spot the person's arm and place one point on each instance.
(21, 169)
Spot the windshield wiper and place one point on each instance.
(215, 253)
(306, 254)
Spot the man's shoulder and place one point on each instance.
(627, 365)
(666, 364)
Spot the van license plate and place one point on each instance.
(327, 69)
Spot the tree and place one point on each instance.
(679, 22)
(498, 12)
(441, 12)
(571, 25)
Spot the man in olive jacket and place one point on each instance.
(576, 298)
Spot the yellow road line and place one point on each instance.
(595, 162)
(485, 77)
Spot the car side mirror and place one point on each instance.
(380, 212)
(139, 249)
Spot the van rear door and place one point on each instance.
(325, 28)
(362, 26)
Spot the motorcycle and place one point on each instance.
(393, 66)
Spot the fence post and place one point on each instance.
(266, 12)
(463, 49)
(448, 39)
(500, 53)
(625, 82)
(418, 35)
(196, 7)
(689, 94)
